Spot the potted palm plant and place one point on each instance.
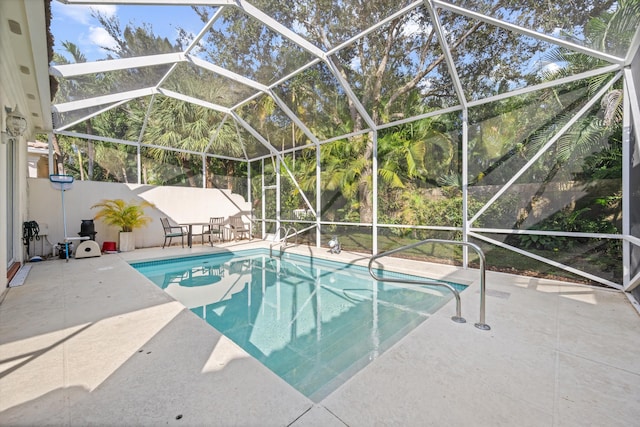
(125, 215)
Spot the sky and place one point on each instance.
(74, 23)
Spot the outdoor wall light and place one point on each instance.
(16, 125)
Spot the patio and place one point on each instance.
(92, 342)
(510, 125)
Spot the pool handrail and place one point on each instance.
(283, 240)
(277, 239)
(458, 317)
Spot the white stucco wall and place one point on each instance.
(21, 50)
(179, 204)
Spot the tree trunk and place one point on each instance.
(231, 170)
(59, 165)
(539, 192)
(365, 190)
(187, 171)
(91, 152)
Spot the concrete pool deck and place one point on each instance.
(93, 342)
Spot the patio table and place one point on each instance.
(189, 226)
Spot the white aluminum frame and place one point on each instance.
(623, 66)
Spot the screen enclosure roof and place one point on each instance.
(260, 77)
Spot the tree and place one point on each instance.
(174, 123)
(393, 71)
(611, 32)
(87, 86)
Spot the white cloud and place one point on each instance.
(82, 13)
(410, 28)
(355, 63)
(414, 27)
(100, 37)
(104, 9)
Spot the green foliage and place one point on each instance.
(543, 241)
(397, 72)
(172, 124)
(423, 207)
(121, 214)
(602, 165)
(567, 220)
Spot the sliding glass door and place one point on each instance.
(11, 169)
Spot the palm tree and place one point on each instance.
(610, 32)
(88, 86)
(172, 123)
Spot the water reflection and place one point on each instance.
(312, 324)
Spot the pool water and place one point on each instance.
(314, 323)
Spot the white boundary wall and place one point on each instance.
(179, 204)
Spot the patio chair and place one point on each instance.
(238, 227)
(169, 232)
(215, 228)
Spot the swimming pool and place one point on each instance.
(315, 323)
